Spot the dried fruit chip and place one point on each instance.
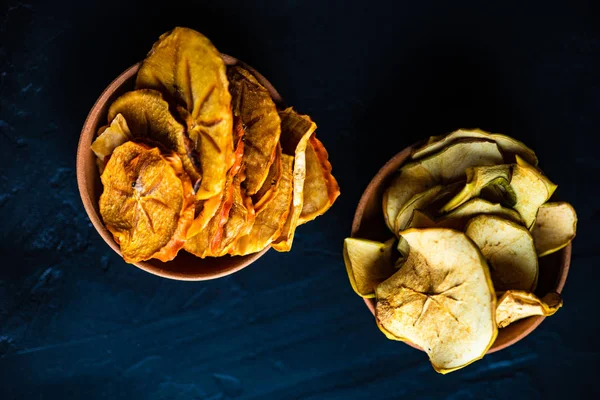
(508, 146)
(320, 187)
(185, 66)
(296, 129)
(368, 263)
(269, 222)
(207, 241)
(444, 167)
(479, 178)
(442, 299)
(458, 218)
(149, 117)
(518, 304)
(147, 202)
(417, 202)
(532, 189)
(252, 103)
(508, 249)
(555, 227)
(110, 138)
(266, 193)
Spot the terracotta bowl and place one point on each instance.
(185, 266)
(369, 224)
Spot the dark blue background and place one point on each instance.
(77, 322)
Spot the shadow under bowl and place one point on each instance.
(185, 266)
(369, 223)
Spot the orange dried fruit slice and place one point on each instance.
(109, 138)
(148, 116)
(320, 187)
(185, 66)
(253, 104)
(269, 222)
(296, 130)
(147, 202)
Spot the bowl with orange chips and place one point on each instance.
(190, 166)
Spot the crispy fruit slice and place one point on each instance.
(368, 263)
(296, 129)
(477, 179)
(518, 304)
(555, 227)
(207, 242)
(458, 218)
(508, 146)
(267, 192)
(509, 251)
(532, 189)
(149, 117)
(253, 104)
(320, 187)
(147, 202)
(269, 222)
(110, 138)
(185, 66)
(444, 167)
(241, 218)
(417, 202)
(442, 299)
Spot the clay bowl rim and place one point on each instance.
(523, 327)
(84, 152)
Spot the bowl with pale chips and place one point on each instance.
(459, 247)
(191, 167)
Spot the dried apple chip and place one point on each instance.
(109, 138)
(555, 227)
(252, 103)
(509, 147)
(320, 187)
(518, 304)
(532, 189)
(269, 222)
(147, 202)
(368, 263)
(479, 178)
(460, 216)
(442, 299)
(296, 129)
(417, 202)
(509, 251)
(185, 66)
(444, 167)
(149, 117)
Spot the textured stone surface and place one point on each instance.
(77, 322)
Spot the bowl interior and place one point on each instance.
(185, 266)
(369, 224)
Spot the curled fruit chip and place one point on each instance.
(532, 189)
(368, 263)
(252, 103)
(555, 227)
(518, 304)
(508, 249)
(441, 168)
(110, 138)
(417, 202)
(147, 202)
(185, 66)
(479, 178)
(296, 129)
(442, 299)
(508, 146)
(320, 187)
(269, 222)
(266, 193)
(207, 241)
(149, 117)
